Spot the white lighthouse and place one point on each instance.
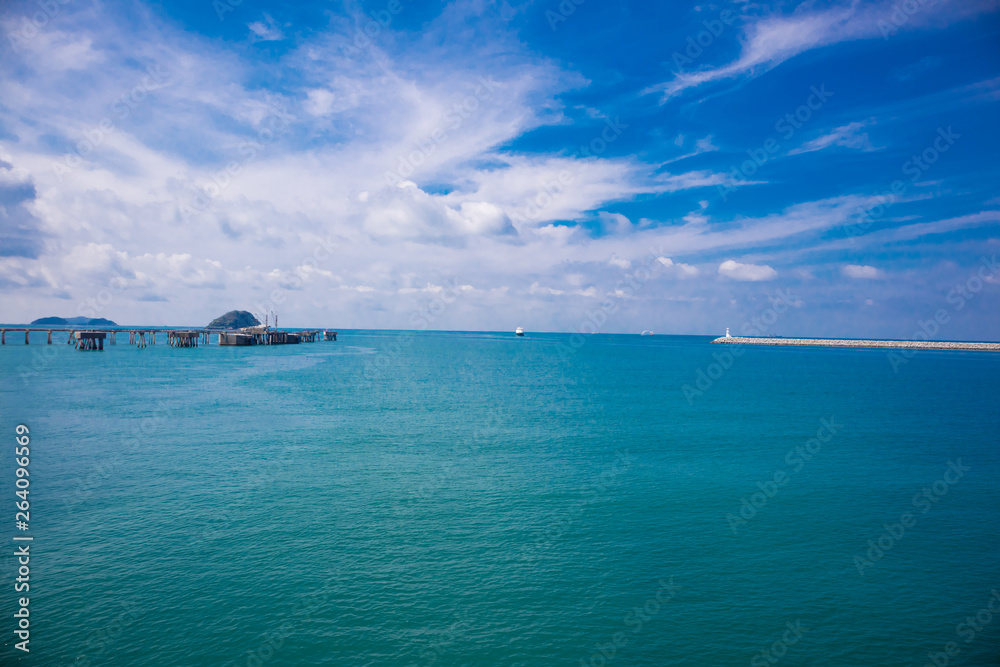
(727, 333)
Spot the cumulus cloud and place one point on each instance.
(859, 271)
(746, 272)
(678, 269)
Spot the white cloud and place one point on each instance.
(266, 30)
(538, 289)
(859, 271)
(312, 204)
(770, 41)
(746, 272)
(678, 269)
(615, 223)
(480, 217)
(319, 102)
(845, 136)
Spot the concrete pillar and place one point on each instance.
(50, 337)
(25, 336)
(3, 337)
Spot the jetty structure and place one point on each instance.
(264, 335)
(93, 338)
(883, 344)
(237, 327)
(85, 340)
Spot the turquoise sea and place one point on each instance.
(424, 498)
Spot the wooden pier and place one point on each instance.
(86, 340)
(184, 338)
(93, 339)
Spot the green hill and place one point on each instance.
(234, 319)
(91, 321)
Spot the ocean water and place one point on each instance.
(426, 498)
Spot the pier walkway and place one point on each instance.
(92, 338)
(885, 344)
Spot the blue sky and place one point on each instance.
(482, 165)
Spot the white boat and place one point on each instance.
(646, 333)
(519, 331)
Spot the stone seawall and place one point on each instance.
(832, 342)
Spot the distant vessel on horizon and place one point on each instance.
(646, 333)
(519, 331)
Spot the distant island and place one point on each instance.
(84, 321)
(234, 319)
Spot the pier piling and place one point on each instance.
(183, 338)
(89, 340)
